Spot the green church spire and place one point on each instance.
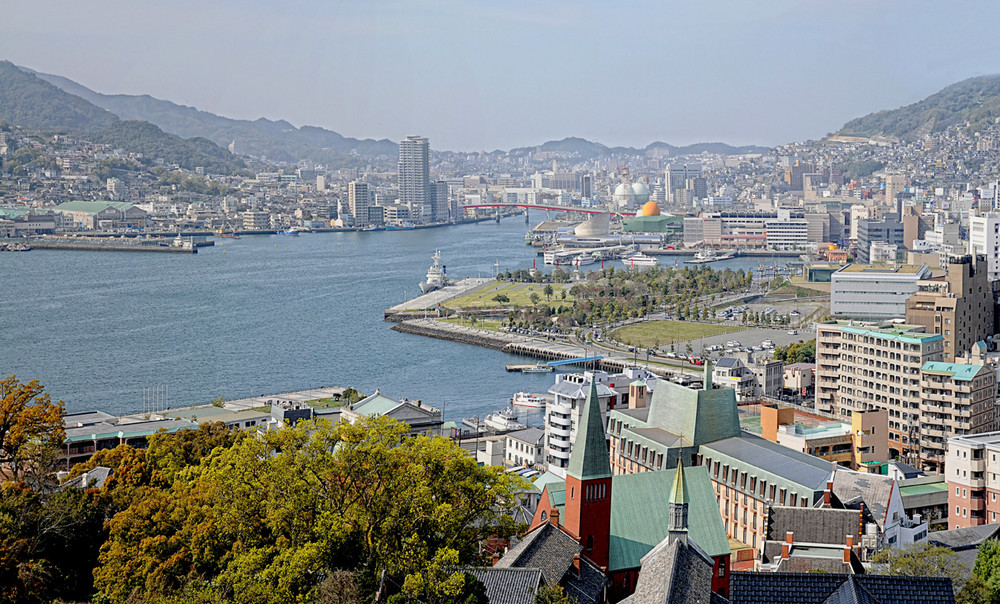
(590, 458)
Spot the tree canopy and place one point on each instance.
(31, 426)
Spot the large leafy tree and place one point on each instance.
(31, 427)
(923, 560)
(271, 518)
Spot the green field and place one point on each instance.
(518, 293)
(663, 333)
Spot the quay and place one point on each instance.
(116, 245)
(518, 344)
(419, 306)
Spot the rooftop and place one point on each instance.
(904, 269)
(958, 372)
(774, 462)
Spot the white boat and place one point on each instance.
(706, 256)
(539, 368)
(503, 421)
(641, 260)
(437, 275)
(583, 260)
(526, 399)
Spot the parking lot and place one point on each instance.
(747, 338)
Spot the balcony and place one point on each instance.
(561, 433)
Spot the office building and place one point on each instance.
(414, 177)
(888, 230)
(676, 178)
(879, 293)
(984, 238)
(438, 199)
(959, 305)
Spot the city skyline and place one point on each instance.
(472, 76)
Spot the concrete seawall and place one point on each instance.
(107, 246)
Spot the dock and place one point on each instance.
(418, 307)
(549, 350)
(115, 245)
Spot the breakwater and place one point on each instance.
(117, 245)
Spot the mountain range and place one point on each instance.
(191, 137)
(30, 102)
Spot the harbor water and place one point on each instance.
(262, 314)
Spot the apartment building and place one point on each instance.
(973, 475)
(863, 441)
(959, 305)
(955, 400)
(864, 367)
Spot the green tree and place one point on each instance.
(987, 570)
(501, 298)
(552, 595)
(31, 428)
(548, 291)
(535, 298)
(265, 519)
(923, 560)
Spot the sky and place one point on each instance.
(495, 74)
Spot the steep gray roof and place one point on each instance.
(528, 435)
(963, 538)
(546, 548)
(508, 585)
(813, 525)
(874, 490)
(673, 573)
(590, 458)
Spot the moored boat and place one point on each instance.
(437, 275)
(641, 260)
(526, 399)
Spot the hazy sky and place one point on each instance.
(480, 74)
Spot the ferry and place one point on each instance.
(292, 232)
(706, 256)
(641, 260)
(503, 421)
(583, 260)
(539, 368)
(437, 275)
(526, 399)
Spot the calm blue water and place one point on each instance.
(263, 314)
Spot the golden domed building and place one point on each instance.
(650, 209)
(649, 220)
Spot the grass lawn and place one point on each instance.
(487, 324)
(519, 294)
(662, 333)
(797, 291)
(325, 403)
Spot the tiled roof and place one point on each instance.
(375, 405)
(673, 573)
(823, 588)
(813, 525)
(546, 548)
(962, 538)
(874, 490)
(508, 585)
(587, 587)
(589, 458)
(528, 435)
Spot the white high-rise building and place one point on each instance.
(414, 177)
(676, 178)
(984, 238)
(359, 198)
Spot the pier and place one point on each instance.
(560, 352)
(419, 306)
(116, 245)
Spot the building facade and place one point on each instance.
(874, 293)
(414, 176)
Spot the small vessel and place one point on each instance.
(15, 247)
(437, 275)
(641, 260)
(706, 256)
(526, 399)
(406, 226)
(583, 260)
(292, 232)
(503, 421)
(228, 235)
(539, 368)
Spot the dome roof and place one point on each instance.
(651, 209)
(639, 188)
(623, 190)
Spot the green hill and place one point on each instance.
(33, 103)
(976, 100)
(30, 102)
(276, 140)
